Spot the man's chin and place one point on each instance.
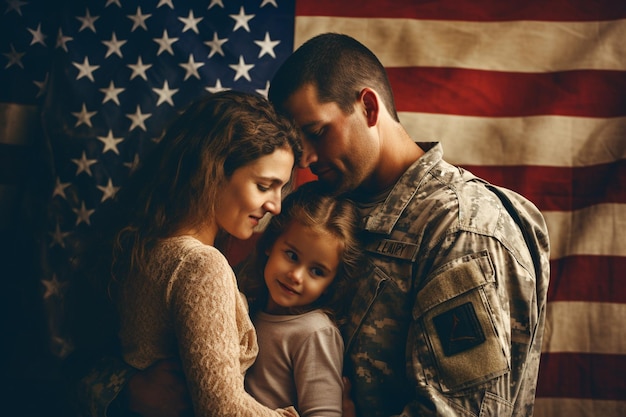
(334, 182)
(334, 187)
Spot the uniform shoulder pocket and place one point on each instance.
(459, 312)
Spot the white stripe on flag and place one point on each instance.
(559, 141)
(594, 230)
(587, 327)
(499, 46)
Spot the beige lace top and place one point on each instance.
(190, 306)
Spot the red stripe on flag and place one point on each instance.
(588, 93)
(560, 188)
(304, 175)
(469, 10)
(580, 375)
(588, 278)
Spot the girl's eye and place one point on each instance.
(318, 272)
(291, 255)
(263, 188)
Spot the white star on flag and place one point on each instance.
(83, 164)
(85, 69)
(216, 45)
(38, 37)
(139, 69)
(165, 94)
(108, 191)
(84, 116)
(114, 46)
(267, 46)
(83, 215)
(242, 69)
(241, 20)
(14, 57)
(88, 21)
(111, 93)
(165, 43)
(191, 22)
(191, 68)
(110, 142)
(139, 19)
(138, 118)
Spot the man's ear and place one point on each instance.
(369, 98)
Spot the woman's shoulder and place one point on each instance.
(182, 247)
(190, 257)
(197, 270)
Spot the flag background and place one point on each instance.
(531, 96)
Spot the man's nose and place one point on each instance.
(309, 154)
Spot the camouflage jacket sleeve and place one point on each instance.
(96, 391)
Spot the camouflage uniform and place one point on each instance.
(449, 321)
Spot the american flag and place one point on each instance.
(107, 76)
(529, 95)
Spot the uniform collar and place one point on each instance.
(384, 217)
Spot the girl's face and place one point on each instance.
(302, 264)
(252, 191)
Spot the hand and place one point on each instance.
(347, 404)
(159, 391)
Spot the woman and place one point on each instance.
(220, 168)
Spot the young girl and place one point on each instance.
(297, 285)
(220, 168)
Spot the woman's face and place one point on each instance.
(252, 191)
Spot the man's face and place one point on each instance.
(339, 148)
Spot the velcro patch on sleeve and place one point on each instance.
(459, 329)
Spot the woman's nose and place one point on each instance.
(273, 205)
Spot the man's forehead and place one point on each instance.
(303, 106)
